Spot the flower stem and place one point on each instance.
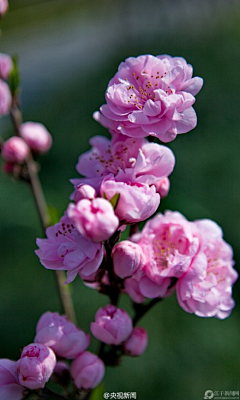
(142, 309)
(41, 205)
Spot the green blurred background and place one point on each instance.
(68, 51)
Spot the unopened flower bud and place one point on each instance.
(93, 219)
(15, 150)
(112, 325)
(64, 338)
(127, 258)
(35, 366)
(84, 192)
(87, 371)
(136, 344)
(36, 136)
(6, 65)
(5, 98)
(162, 187)
(3, 7)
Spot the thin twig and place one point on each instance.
(63, 290)
(142, 309)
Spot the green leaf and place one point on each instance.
(53, 214)
(114, 200)
(97, 393)
(14, 78)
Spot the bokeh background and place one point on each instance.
(68, 51)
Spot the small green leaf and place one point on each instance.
(53, 214)
(14, 78)
(114, 200)
(97, 393)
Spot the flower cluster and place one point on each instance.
(122, 181)
(58, 341)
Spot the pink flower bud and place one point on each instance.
(15, 150)
(162, 187)
(64, 338)
(6, 65)
(84, 192)
(3, 7)
(36, 136)
(112, 325)
(5, 97)
(94, 219)
(87, 371)
(10, 389)
(136, 344)
(8, 167)
(35, 366)
(127, 258)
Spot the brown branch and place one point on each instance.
(41, 205)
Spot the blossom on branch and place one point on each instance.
(87, 371)
(35, 366)
(66, 249)
(15, 150)
(94, 219)
(36, 136)
(144, 162)
(206, 287)
(151, 96)
(61, 335)
(112, 325)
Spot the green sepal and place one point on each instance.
(114, 200)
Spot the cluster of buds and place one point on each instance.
(30, 136)
(59, 352)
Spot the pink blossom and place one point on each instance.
(206, 287)
(15, 150)
(10, 389)
(87, 371)
(94, 219)
(145, 162)
(3, 7)
(136, 344)
(84, 192)
(6, 66)
(137, 201)
(66, 249)
(127, 258)
(64, 338)
(112, 325)
(169, 245)
(36, 136)
(5, 98)
(35, 366)
(151, 96)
